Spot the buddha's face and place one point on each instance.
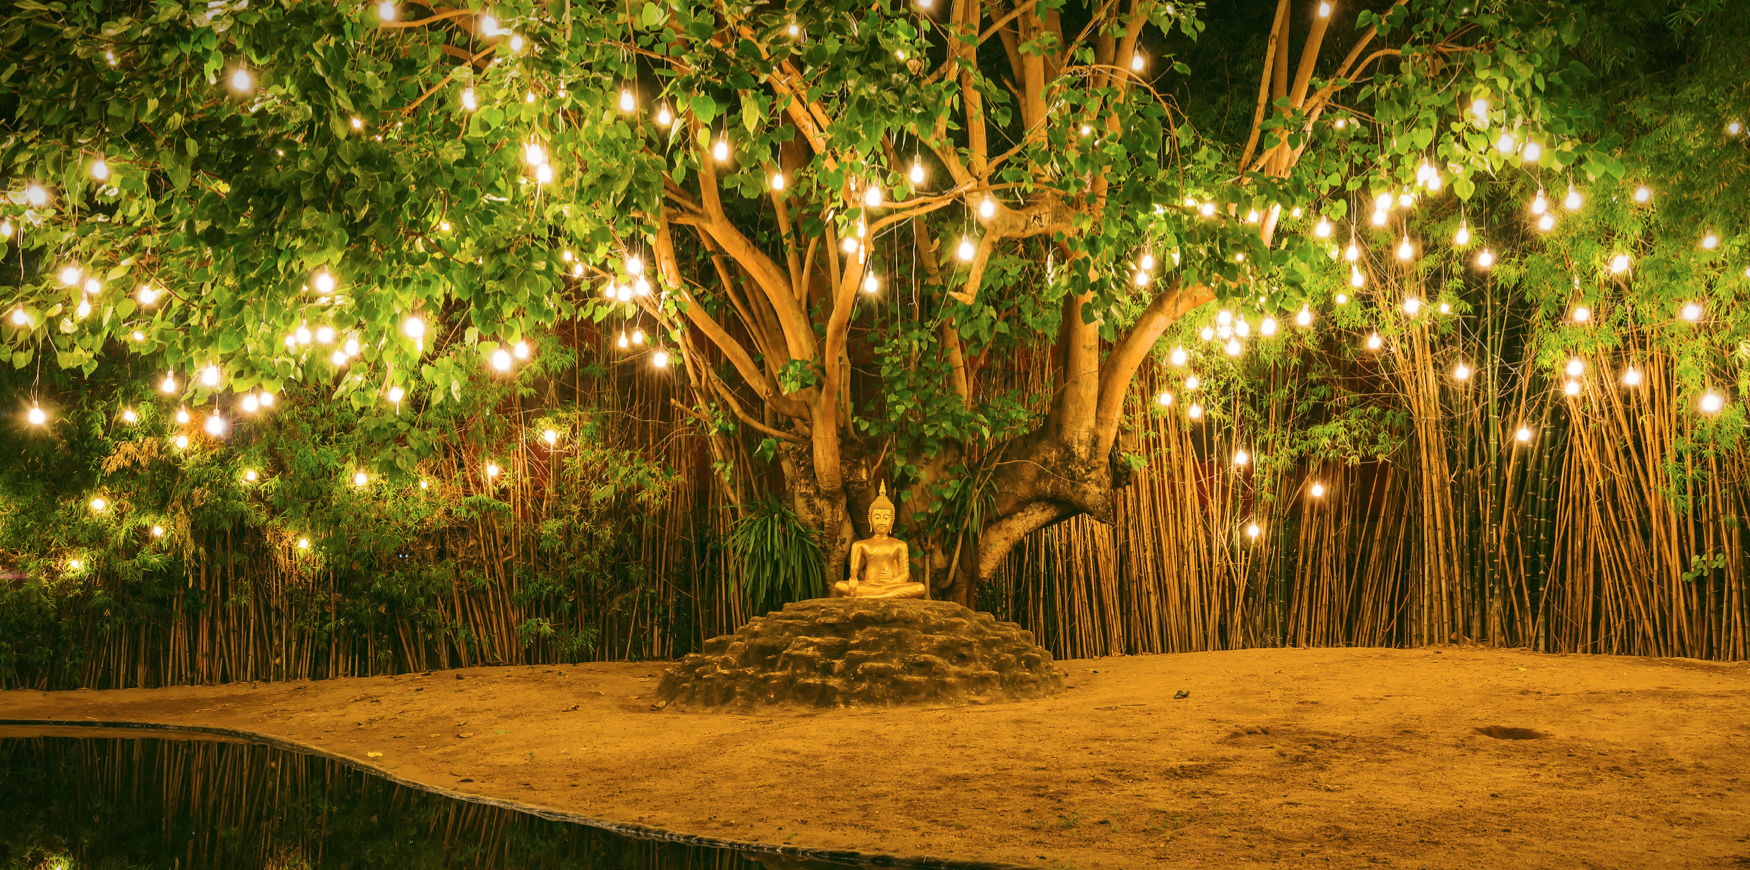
(880, 520)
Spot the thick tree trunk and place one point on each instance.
(825, 513)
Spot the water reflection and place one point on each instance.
(120, 803)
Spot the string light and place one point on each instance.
(357, 123)
(1692, 311)
(1412, 306)
(1352, 253)
(1268, 327)
(352, 346)
(1643, 195)
(250, 404)
(1480, 108)
(338, 358)
(1485, 259)
(157, 531)
(396, 394)
(36, 416)
(1405, 251)
(1462, 237)
(1380, 217)
(488, 24)
(917, 170)
(1540, 204)
(386, 10)
(492, 469)
(777, 181)
(1506, 144)
(1304, 317)
(1241, 458)
(1461, 372)
(637, 336)
(147, 295)
(967, 250)
(659, 359)
(1582, 314)
(520, 350)
(249, 475)
(622, 342)
(130, 417)
(360, 479)
(215, 425)
(1195, 412)
(1253, 531)
(1735, 128)
(1191, 383)
(1546, 223)
(168, 385)
(1523, 435)
(1165, 399)
(627, 101)
(1233, 347)
(663, 116)
(721, 150)
(469, 103)
(1631, 377)
(1317, 490)
(1709, 242)
(267, 400)
(324, 335)
(872, 195)
(871, 283)
(1573, 200)
(1178, 356)
(241, 81)
(210, 376)
(181, 442)
(501, 360)
(413, 328)
(1572, 388)
(304, 543)
(1374, 341)
(1136, 62)
(551, 436)
(1356, 279)
(99, 169)
(1323, 230)
(1712, 403)
(1575, 367)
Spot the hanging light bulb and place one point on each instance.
(851, 244)
(1147, 261)
(1506, 144)
(637, 336)
(622, 342)
(520, 350)
(147, 295)
(872, 195)
(250, 404)
(1480, 108)
(215, 426)
(1692, 311)
(181, 442)
(917, 171)
(1405, 251)
(627, 101)
(1178, 356)
(544, 174)
(1572, 388)
(1412, 306)
(210, 376)
(1461, 372)
(1165, 399)
(324, 335)
(1356, 279)
(130, 417)
(1323, 229)
(501, 360)
(241, 82)
(721, 150)
(488, 24)
(267, 399)
(1317, 490)
(36, 195)
(777, 181)
(351, 348)
(1462, 237)
(1631, 377)
(1252, 216)
(1374, 341)
(641, 287)
(663, 116)
(492, 469)
(1195, 412)
(1233, 347)
(168, 385)
(659, 359)
(1712, 403)
(249, 475)
(70, 274)
(1582, 314)
(1546, 223)
(967, 250)
(396, 394)
(1523, 435)
(1305, 317)
(1352, 253)
(1241, 458)
(1539, 204)
(1709, 242)
(987, 208)
(338, 358)
(360, 479)
(1136, 61)
(1573, 200)
(1533, 152)
(1191, 383)
(413, 328)
(871, 283)
(469, 103)
(551, 436)
(1208, 209)
(1619, 264)
(1208, 334)
(1342, 298)
(83, 310)
(36, 416)
(1575, 367)
(1485, 259)
(1643, 195)
(1268, 327)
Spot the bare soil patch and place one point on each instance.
(1273, 758)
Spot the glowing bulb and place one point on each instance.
(1619, 264)
(1485, 259)
(324, 335)
(1304, 318)
(181, 442)
(1643, 195)
(1575, 367)
(516, 44)
(130, 417)
(1191, 383)
(157, 531)
(338, 358)
(1546, 223)
(1356, 279)
(663, 116)
(1709, 242)
(1480, 108)
(721, 150)
(1573, 201)
(520, 350)
(267, 400)
(1523, 435)
(1178, 356)
(1631, 377)
(622, 342)
(851, 244)
(1462, 237)
(1540, 204)
(1136, 62)
(75, 564)
(1582, 314)
(871, 283)
(1461, 372)
(543, 174)
(396, 394)
(301, 335)
(501, 360)
(360, 479)
(1380, 217)
(987, 208)
(1374, 342)
(1533, 151)
(36, 416)
(1252, 216)
(1165, 399)
(70, 275)
(1342, 298)
(967, 249)
(659, 359)
(241, 81)
(627, 101)
(424, 484)
(777, 181)
(1268, 327)
(168, 385)
(358, 123)
(1323, 230)
(413, 328)
(534, 154)
(637, 336)
(352, 346)
(1147, 262)
(492, 469)
(83, 310)
(1140, 279)
(1208, 209)
(1383, 202)
(1324, 10)
(1240, 457)
(917, 171)
(551, 436)
(1253, 530)
(1195, 412)
(1352, 253)
(1572, 388)
(215, 425)
(324, 283)
(1506, 143)
(1234, 347)
(641, 286)
(99, 169)
(147, 295)
(386, 10)
(250, 404)
(872, 195)
(1692, 311)
(249, 475)
(1712, 403)
(469, 103)
(210, 376)
(1735, 128)
(1412, 306)
(1317, 490)
(304, 543)
(1405, 251)
(488, 25)
(1208, 334)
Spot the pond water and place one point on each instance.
(118, 803)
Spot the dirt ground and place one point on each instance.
(1278, 758)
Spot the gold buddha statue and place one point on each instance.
(880, 565)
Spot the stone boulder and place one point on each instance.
(829, 652)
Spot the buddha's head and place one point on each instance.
(881, 513)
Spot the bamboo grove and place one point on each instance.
(1509, 408)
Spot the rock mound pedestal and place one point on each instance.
(829, 652)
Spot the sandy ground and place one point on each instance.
(1279, 758)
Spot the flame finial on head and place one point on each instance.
(881, 502)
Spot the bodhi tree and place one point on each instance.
(850, 222)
